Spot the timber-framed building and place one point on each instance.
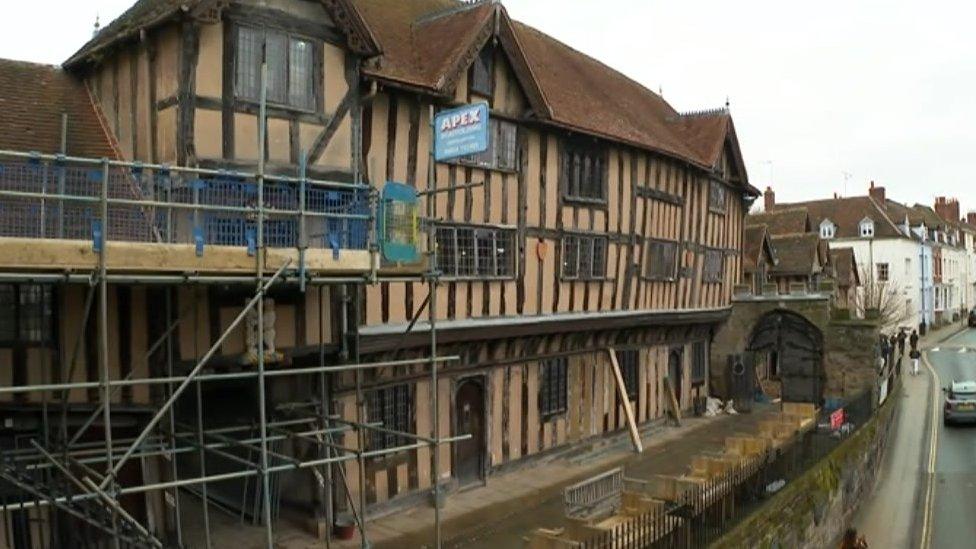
(600, 220)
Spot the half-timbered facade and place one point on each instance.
(600, 220)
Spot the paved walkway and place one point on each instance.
(891, 514)
(505, 511)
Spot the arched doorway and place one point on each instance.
(792, 349)
(469, 418)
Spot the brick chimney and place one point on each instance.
(971, 218)
(877, 193)
(947, 209)
(769, 198)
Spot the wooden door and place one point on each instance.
(469, 417)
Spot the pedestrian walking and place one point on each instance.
(901, 343)
(913, 340)
(916, 356)
(853, 541)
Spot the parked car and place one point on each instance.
(960, 403)
(972, 317)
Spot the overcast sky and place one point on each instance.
(880, 90)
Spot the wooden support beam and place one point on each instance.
(673, 400)
(625, 401)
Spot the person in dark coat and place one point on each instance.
(913, 340)
(901, 343)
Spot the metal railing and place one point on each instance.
(703, 513)
(59, 197)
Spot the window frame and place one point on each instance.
(699, 361)
(497, 127)
(473, 86)
(719, 206)
(560, 393)
(315, 73)
(707, 276)
(580, 238)
(882, 268)
(46, 322)
(389, 399)
(475, 274)
(866, 229)
(629, 362)
(651, 243)
(584, 161)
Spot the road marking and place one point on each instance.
(934, 349)
(933, 452)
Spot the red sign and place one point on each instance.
(836, 419)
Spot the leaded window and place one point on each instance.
(392, 407)
(465, 251)
(714, 260)
(552, 387)
(481, 73)
(716, 197)
(27, 314)
(583, 170)
(628, 361)
(662, 256)
(584, 257)
(699, 361)
(502, 152)
(290, 62)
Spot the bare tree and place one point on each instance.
(883, 300)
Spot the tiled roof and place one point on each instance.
(782, 221)
(845, 267)
(754, 240)
(426, 44)
(797, 254)
(847, 213)
(425, 41)
(32, 99)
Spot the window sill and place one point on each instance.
(717, 211)
(597, 279)
(280, 106)
(504, 171)
(660, 279)
(477, 278)
(553, 416)
(584, 201)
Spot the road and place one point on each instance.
(925, 499)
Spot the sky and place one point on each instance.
(826, 96)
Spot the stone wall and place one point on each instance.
(848, 344)
(814, 510)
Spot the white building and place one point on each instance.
(891, 245)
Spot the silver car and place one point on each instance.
(960, 403)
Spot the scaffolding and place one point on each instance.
(102, 202)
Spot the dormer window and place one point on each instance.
(867, 228)
(482, 70)
(827, 229)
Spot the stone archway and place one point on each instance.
(793, 349)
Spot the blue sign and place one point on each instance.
(461, 131)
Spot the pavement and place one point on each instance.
(509, 507)
(894, 514)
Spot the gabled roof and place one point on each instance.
(146, 14)
(845, 267)
(564, 86)
(847, 213)
(797, 254)
(755, 244)
(32, 100)
(782, 221)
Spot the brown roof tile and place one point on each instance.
(845, 267)
(32, 98)
(846, 214)
(755, 241)
(782, 221)
(797, 254)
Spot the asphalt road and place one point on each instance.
(954, 495)
(910, 506)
